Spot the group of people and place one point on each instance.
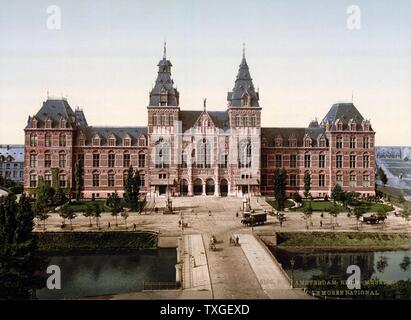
(234, 241)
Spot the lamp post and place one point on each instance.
(292, 262)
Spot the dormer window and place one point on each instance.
(292, 142)
(245, 100)
(142, 142)
(278, 142)
(307, 142)
(163, 97)
(339, 125)
(48, 123)
(111, 142)
(366, 125)
(352, 125)
(127, 141)
(63, 123)
(34, 123)
(322, 142)
(96, 141)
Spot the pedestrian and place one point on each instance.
(321, 223)
(236, 214)
(179, 223)
(209, 213)
(237, 241)
(281, 222)
(109, 226)
(134, 227)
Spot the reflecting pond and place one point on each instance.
(103, 273)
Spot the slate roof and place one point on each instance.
(269, 134)
(80, 118)
(243, 85)
(189, 118)
(164, 82)
(345, 112)
(119, 132)
(16, 151)
(55, 109)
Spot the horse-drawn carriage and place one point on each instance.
(252, 219)
(373, 219)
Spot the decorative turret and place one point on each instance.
(163, 92)
(243, 94)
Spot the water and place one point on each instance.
(386, 266)
(108, 273)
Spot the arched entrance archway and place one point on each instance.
(198, 187)
(183, 187)
(224, 188)
(210, 187)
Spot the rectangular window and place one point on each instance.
(96, 180)
(307, 161)
(322, 161)
(278, 160)
(96, 160)
(352, 142)
(366, 142)
(126, 160)
(321, 180)
(353, 182)
(47, 179)
(62, 160)
(339, 161)
(366, 181)
(340, 180)
(33, 160)
(33, 181)
(47, 160)
(366, 161)
(111, 180)
(352, 161)
(111, 160)
(141, 160)
(142, 180)
(293, 161)
(339, 143)
(293, 180)
(62, 181)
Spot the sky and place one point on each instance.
(301, 54)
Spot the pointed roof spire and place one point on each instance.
(205, 103)
(243, 50)
(165, 50)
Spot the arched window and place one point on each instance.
(62, 140)
(203, 154)
(141, 160)
(307, 160)
(126, 159)
(366, 142)
(353, 142)
(47, 178)
(366, 160)
(244, 153)
(155, 120)
(339, 142)
(47, 140)
(47, 159)
(307, 142)
(339, 178)
(33, 140)
(366, 180)
(162, 154)
(164, 119)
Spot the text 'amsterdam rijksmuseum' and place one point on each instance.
(189, 153)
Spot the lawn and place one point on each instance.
(319, 205)
(80, 206)
(376, 207)
(288, 204)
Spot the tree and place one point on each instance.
(307, 184)
(97, 213)
(334, 212)
(297, 197)
(59, 197)
(115, 205)
(124, 214)
(383, 177)
(45, 195)
(78, 176)
(89, 213)
(66, 212)
(382, 215)
(279, 184)
(308, 211)
(406, 215)
(338, 194)
(19, 258)
(132, 189)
